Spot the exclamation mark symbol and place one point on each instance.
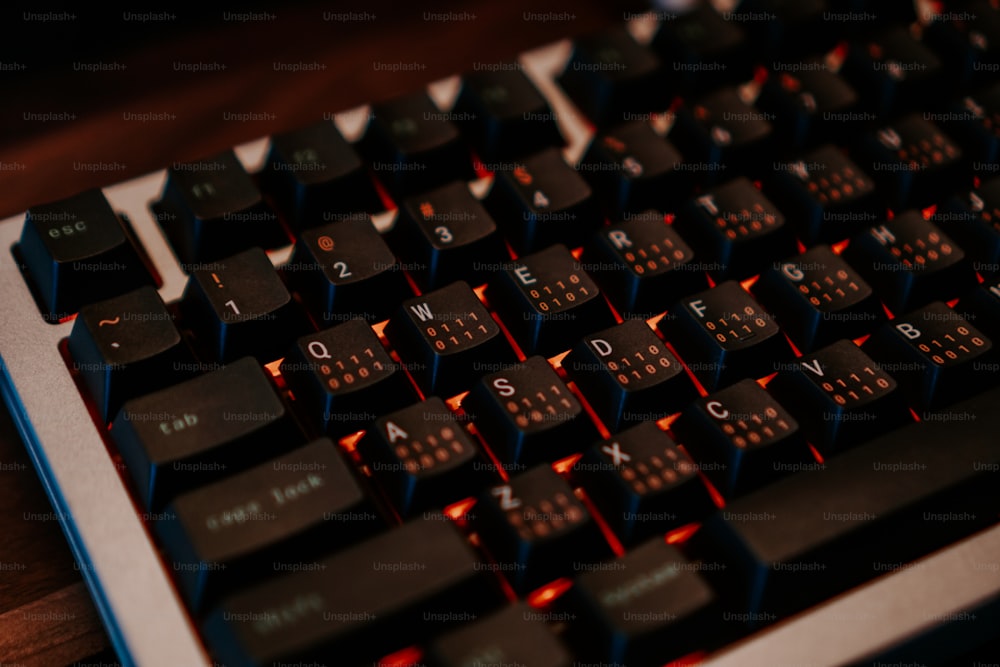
(216, 279)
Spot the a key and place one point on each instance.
(610, 75)
(541, 200)
(547, 301)
(211, 209)
(892, 71)
(643, 264)
(742, 438)
(840, 396)
(357, 605)
(412, 146)
(238, 306)
(914, 162)
(197, 431)
(723, 134)
(628, 376)
(77, 251)
(503, 115)
(527, 414)
(981, 307)
(643, 609)
(226, 533)
(315, 176)
(910, 262)
(344, 379)
(817, 299)
(446, 235)
(723, 335)
(735, 230)
(536, 529)
(514, 636)
(974, 121)
(632, 168)
(812, 104)
(127, 346)
(445, 337)
(642, 484)
(967, 41)
(422, 457)
(827, 195)
(814, 534)
(703, 49)
(937, 356)
(345, 270)
(973, 219)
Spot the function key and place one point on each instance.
(548, 301)
(344, 379)
(817, 299)
(446, 337)
(735, 229)
(610, 75)
(503, 115)
(811, 103)
(643, 264)
(412, 146)
(628, 375)
(541, 200)
(77, 251)
(315, 176)
(211, 209)
(528, 414)
(893, 71)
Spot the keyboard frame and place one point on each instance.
(129, 583)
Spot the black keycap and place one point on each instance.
(910, 262)
(527, 414)
(642, 484)
(412, 146)
(840, 396)
(195, 432)
(610, 75)
(826, 194)
(503, 115)
(344, 379)
(735, 230)
(542, 200)
(982, 308)
(357, 605)
(211, 209)
(536, 529)
(238, 306)
(968, 41)
(914, 162)
(723, 335)
(893, 71)
(723, 135)
(547, 301)
(345, 270)
(973, 220)
(812, 104)
(788, 28)
(448, 339)
(315, 176)
(423, 457)
(741, 438)
(127, 346)
(974, 121)
(644, 608)
(643, 264)
(514, 636)
(811, 535)
(936, 355)
(305, 503)
(446, 235)
(628, 376)
(631, 168)
(817, 299)
(77, 251)
(703, 50)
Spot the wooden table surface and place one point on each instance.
(46, 616)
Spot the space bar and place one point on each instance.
(867, 512)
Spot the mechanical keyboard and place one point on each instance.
(671, 344)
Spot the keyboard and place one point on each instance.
(675, 343)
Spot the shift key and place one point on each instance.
(200, 430)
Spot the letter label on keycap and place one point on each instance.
(908, 330)
(423, 311)
(620, 239)
(601, 346)
(506, 496)
(187, 421)
(716, 410)
(707, 202)
(503, 387)
(292, 492)
(814, 366)
(792, 272)
(394, 432)
(699, 307)
(614, 450)
(524, 275)
(883, 235)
